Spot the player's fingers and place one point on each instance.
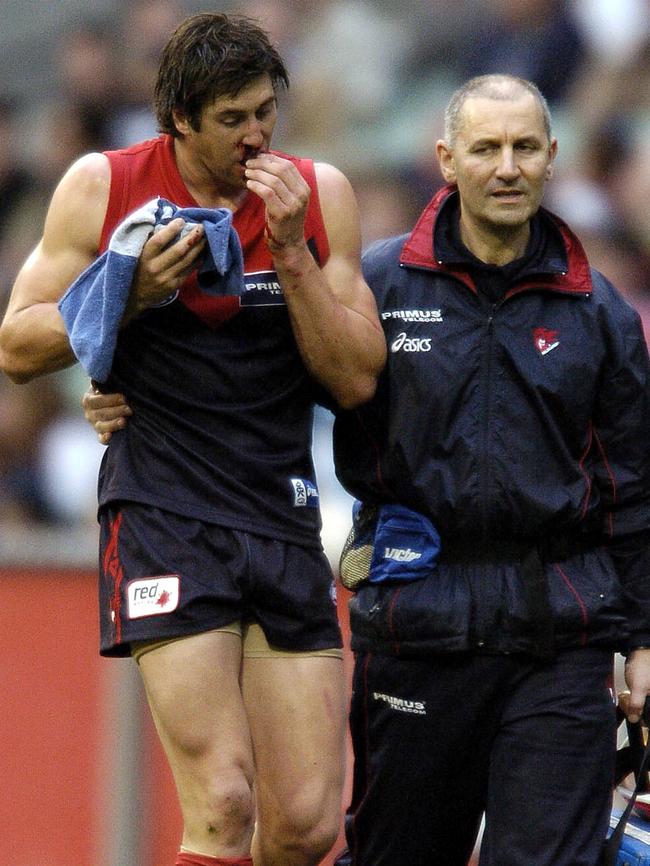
(108, 416)
(268, 177)
(276, 166)
(187, 252)
(163, 238)
(165, 249)
(104, 429)
(106, 413)
(160, 273)
(270, 193)
(93, 400)
(96, 400)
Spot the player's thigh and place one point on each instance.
(193, 688)
(297, 709)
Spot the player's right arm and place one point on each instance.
(33, 338)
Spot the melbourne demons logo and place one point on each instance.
(545, 341)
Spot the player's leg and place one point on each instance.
(168, 584)
(296, 710)
(295, 697)
(552, 766)
(192, 686)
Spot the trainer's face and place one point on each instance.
(232, 130)
(500, 161)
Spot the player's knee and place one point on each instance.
(321, 838)
(228, 814)
(307, 834)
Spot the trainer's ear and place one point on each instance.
(552, 153)
(446, 161)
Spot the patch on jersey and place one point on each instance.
(545, 341)
(262, 289)
(305, 493)
(151, 596)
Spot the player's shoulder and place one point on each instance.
(335, 190)
(329, 175)
(87, 168)
(139, 148)
(86, 180)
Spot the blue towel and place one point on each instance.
(93, 306)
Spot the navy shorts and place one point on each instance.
(162, 575)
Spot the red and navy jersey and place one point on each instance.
(222, 402)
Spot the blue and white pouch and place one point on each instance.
(388, 543)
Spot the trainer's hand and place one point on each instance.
(164, 265)
(106, 412)
(286, 195)
(637, 678)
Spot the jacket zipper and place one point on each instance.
(485, 459)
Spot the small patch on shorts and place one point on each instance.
(152, 596)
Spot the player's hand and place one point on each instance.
(105, 412)
(286, 195)
(164, 265)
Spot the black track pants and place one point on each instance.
(440, 741)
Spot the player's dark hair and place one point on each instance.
(211, 55)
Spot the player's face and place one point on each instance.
(500, 160)
(232, 130)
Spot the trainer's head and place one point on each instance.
(497, 87)
(499, 151)
(211, 55)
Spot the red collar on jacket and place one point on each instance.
(418, 252)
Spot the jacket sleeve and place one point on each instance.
(632, 562)
(622, 433)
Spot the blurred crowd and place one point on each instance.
(369, 82)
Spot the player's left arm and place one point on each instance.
(332, 310)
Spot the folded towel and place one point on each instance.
(93, 306)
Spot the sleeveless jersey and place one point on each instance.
(222, 403)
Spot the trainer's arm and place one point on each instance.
(332, 310)
(33, 339)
